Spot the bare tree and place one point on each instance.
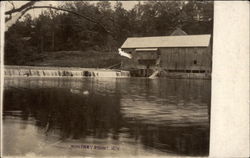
(19, 12)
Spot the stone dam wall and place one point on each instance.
(34, 71)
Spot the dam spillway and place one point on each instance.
(34, 71)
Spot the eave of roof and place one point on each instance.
(146, 49)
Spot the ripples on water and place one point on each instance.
(45, 116)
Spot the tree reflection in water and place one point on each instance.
(120, 111)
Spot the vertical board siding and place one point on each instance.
(183, 58)
(174, 58)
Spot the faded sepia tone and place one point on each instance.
(101, 79)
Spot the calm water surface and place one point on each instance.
(106, 117)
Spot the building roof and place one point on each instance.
(167, 41)
(178, 32)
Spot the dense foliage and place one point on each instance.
(55, 30)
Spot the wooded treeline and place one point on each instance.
(55, 30)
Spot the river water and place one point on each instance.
(106, 117)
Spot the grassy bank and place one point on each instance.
(86, 59)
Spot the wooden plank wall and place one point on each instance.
(174, 59)
(183, 58)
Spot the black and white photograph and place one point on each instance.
(107, 78)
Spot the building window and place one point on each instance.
(195, 62)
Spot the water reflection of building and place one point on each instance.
(137, 113)
(176, 55)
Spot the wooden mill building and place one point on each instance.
(175, 55)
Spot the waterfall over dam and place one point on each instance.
(34, 71)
